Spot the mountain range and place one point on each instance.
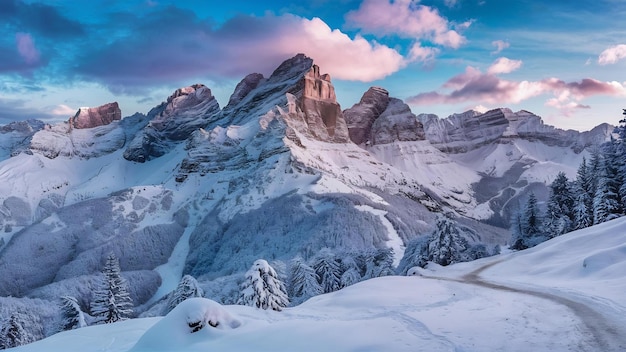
(280, 171)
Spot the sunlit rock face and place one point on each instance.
(98, 116)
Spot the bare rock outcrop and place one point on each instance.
(323, 113)
(94, 117)
(185, 111)
(361, 116)
(379, 119)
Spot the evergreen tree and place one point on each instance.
(328, 270)
(415, 254)
(112, 301)
(583, 207)
(530, 225)
(383, 262)
(350, 277)
(582, 219)
(446, 245)
(72, 317)
(593, 174)
(187, 288)
(607, 202)
(559, 214)
(13, 332)
(303, 281)
(262, 288)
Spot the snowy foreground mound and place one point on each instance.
(563, 295)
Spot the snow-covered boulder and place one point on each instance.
(192, 321)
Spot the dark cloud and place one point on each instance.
(45, 20)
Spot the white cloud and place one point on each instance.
(406, 18)
(612, 55)
(500, 45)
(504, 65)
(63, 110)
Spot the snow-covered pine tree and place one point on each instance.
(446, 244)
(594, 170)
(328, 270)
(582, 219)
(112, 301)
(13, 332)
(415, 254)
(607, 202)
(559, 213)
(531, 231)
(350, 268)
(187, 288)
(383, 262)
(304, 282)
(583, 205)
(262, 288)
(72, 317)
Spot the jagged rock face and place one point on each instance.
(184, 112)
(248, 84)
(379, 119)
(396, 123)
(323, 114)
(94, 117)
(464, 132)
(360, 117)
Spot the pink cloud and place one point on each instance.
(26, 48)
(504, 65)
(197, 49)
(477, 87)
(405, 18)
(612, 55)
(500, 45)
(338, 54)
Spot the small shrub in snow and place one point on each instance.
(187, 288)
(14, 333)
(262, 288)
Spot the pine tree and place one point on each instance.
(328, 270)
(593, 177)
(262, 288)
(530, 225)
(112, 301)
(582, 219)
(383, 262)
(304, 282)
(446, 244)
(583, 207)
(13, 333)
(187, 288)
(607, 202)
(559, 214)
(72, 317)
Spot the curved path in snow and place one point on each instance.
(607, 335)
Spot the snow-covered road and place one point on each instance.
(606, 333)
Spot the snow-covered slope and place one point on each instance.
(192, 189)
(571, 299)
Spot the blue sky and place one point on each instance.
(563, 60)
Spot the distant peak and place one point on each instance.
(94, 117)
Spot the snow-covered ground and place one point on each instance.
(566, 294)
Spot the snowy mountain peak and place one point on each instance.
(94, 117)
(185, 111)
(244, 88)
(460, 133)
